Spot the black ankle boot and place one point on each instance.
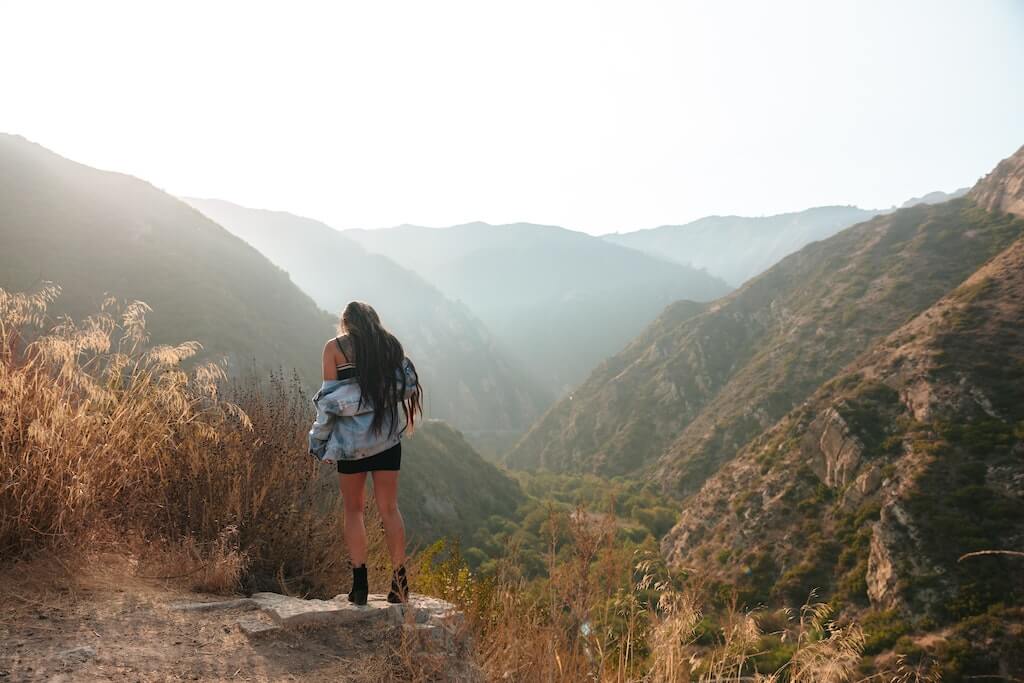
(360, 586)
(399, 586)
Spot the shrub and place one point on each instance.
(882, 630)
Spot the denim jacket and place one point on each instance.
(341, 430)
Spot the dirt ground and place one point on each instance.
(102, 624)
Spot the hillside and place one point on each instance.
(470, 380)
(612, 422)
(736, 248)
(97, 233)
(448, 489)
(693, 390)
(870, 491)
(559, 300)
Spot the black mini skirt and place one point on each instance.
(391, 459)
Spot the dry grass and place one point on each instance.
(107, 439)
(218, 568)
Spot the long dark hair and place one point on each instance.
(378, 362)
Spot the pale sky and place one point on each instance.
(598, 116)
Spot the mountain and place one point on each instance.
(736, 248)
(697, 386)
(936, 197)
(469, 379)
(97, 232)
(559, 300)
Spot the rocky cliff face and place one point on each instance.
(1003, 188)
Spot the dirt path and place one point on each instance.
(102, 628)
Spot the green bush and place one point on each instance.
(882, 630)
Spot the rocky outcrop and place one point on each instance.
(838, 451)
(891, 546)
(1003, 188)
(896, 563)
(861, 489)
(882, 574)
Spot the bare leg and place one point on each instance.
(353, 494)
(385, 492)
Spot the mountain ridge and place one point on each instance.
(737, 248)
(559, 299)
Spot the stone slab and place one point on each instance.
(420, 609)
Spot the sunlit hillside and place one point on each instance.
(102, 234)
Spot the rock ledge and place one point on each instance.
(427, 619)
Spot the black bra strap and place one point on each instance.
(337, 340)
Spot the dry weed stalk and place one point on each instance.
(920, 672)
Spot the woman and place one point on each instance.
(367, 377)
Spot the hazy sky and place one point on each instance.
(598, 116)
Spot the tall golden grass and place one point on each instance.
(106, 438)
